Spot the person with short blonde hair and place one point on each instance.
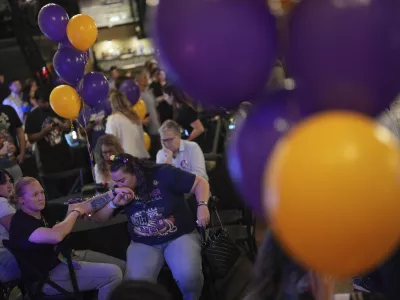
(126, 125)
(37, 227)
(182, 154)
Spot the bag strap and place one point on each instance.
(213, 208)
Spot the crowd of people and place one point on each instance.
(148, 185)
(161, 229)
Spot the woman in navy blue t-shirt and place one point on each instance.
(161, 226)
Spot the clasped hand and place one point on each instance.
(124, 196)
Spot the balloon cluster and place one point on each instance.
(75, 37)
(328, 184)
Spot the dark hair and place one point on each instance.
(273, 271)
(43, 93)
(141, 168)
(113, 68)
(155, 71)
(141, 290)
(11, 81)
(3, 174)
(120, 80)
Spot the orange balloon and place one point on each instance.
(82, 32)
(147, 141)
(65, 102)
(332, 191)
(140, 109)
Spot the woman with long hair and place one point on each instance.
(9, 270)
(185, 114)
(160, 225)
(37, 227)
(107, 145)
(158, 87)
(126, 125)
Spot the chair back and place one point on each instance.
(34, 284)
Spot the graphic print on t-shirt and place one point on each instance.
(54, 137)
(150, 220)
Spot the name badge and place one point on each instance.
(184, 164)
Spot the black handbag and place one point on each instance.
(219, 250)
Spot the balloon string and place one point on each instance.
(87, 142)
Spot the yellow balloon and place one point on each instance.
(140, 109)
(147, 141)
(332, 191)
(65, 102)
(82, 32)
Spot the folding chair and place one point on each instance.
(34, 288)
(77, 185)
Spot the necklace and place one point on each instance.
(44, 222)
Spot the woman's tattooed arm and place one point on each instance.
(99, 201)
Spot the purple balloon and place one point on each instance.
(53, 20)
(222, 51)
(65, 43)
(69, 65)
(345, 56)
(131, 90)
(253, 142)
(94, 89)
(86, 56)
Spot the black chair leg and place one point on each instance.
(71, 270)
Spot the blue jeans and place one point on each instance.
(97, 272)
(9, 269)
(183, 256)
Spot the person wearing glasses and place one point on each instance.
(161, 228)
(182, 154)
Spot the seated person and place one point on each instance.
(106, 146)
(161, 228)
(36, 229)
(182, 154)
(9, 270)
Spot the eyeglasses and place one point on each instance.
(169, 140)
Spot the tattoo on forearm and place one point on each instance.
(99, 201)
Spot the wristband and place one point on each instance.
(202, 203)
(75, 210)
(112, 205)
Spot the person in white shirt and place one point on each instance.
(9, 270)
(182, 154)
(14, 99)
(125, 124)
